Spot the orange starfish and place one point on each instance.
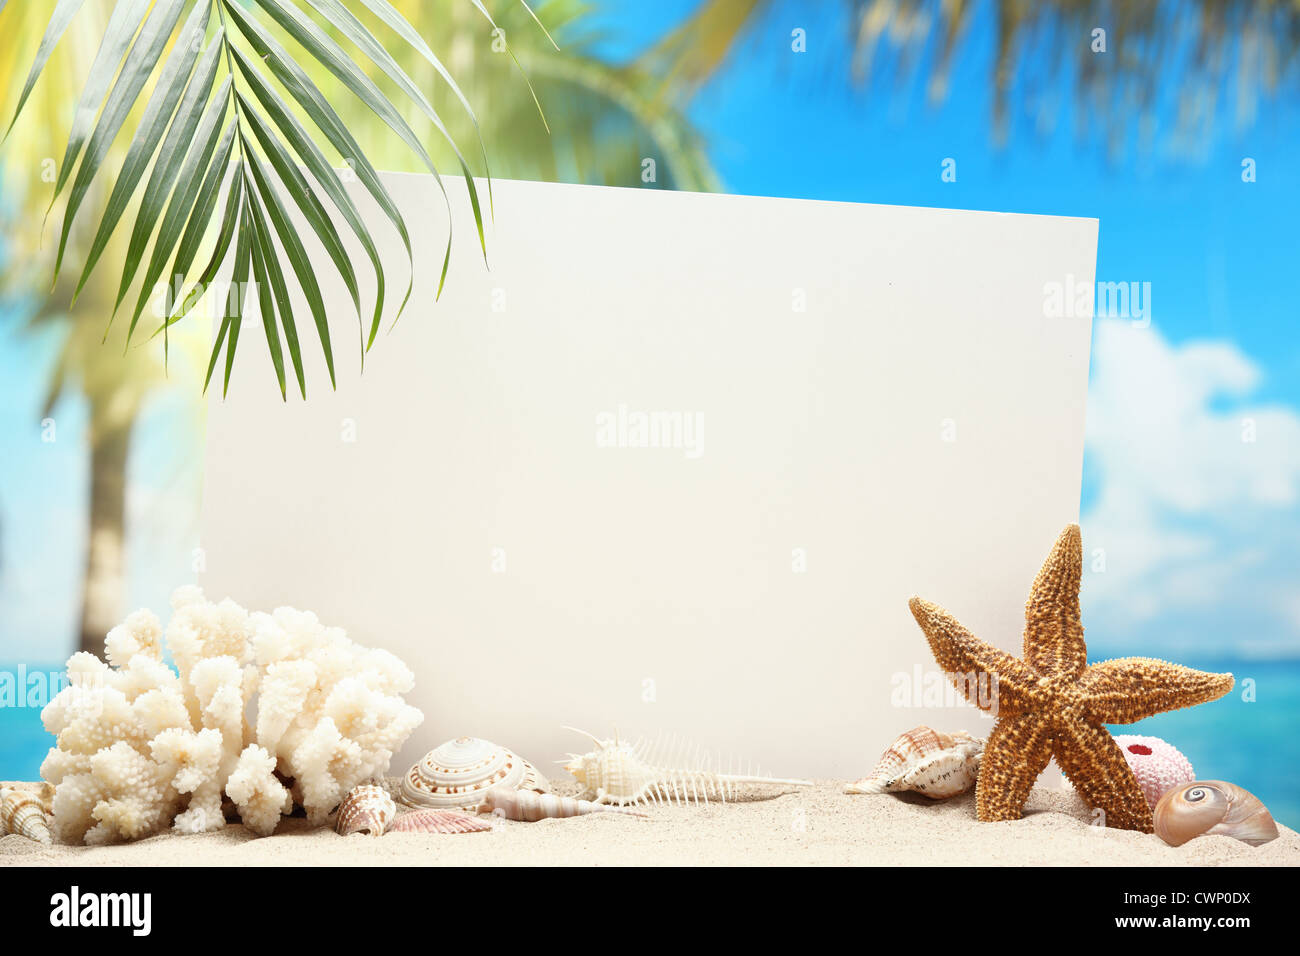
(1052, 704)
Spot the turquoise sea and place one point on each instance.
(1253, 743)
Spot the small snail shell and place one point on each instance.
(1212, 807)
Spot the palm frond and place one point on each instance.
(217, 86)
(59, 21)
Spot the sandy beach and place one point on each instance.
(815, 826)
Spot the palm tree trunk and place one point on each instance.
(104, 586)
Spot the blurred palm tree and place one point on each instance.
(90, 359)
(603, 120)
(1126, 63)
(591, 122)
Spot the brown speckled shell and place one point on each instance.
(456, 774)
(367, 809)
(922, 759)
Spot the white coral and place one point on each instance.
(141, 747)
(255, 791)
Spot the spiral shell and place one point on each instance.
(459, 772)
(23, 812)
(366, 809)
(1210, 808)
(438, 821)
(922, 759)
(528, 807)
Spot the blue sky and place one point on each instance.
(1201, 530)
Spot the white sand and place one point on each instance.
(818, 825)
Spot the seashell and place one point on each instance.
(1157, 765)
(922, 759)
(43, 790)
(529, 807)
(459, 772)
(621, 773)
(438, 821)
(24, 813)
(366, 809)
(1210, 808)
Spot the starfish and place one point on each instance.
(1052, 703)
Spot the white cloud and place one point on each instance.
(1196, 497)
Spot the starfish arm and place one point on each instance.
(991, 679)
(1016, 753)
(1131, 688)
(1089, 756)
(1053, 624)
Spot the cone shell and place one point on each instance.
(24, 813)
(367, 809)
(1213, 808)
(458, 773)
(528, 807)
(922, 759)
(438, 821)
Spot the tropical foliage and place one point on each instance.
(1187, 58)
(602, 120)
(216, 119)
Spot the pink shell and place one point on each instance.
(438, 821)
(1158, 765)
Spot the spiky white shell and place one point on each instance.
(366, 809)
(621, 773)
(614, 772)
(922, 759)
(459, 772)
(24, 812)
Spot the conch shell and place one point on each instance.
(25, 812)
(366, 809)
(922, 759)
(456, 774)
(528, 807)
(1209, 808)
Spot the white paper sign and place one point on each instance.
(673, 465)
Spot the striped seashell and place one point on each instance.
(366, 809)
(922, 759)
(23, 812)
(43, 790)
(438, 821)
(458, 773)
(529, 807)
